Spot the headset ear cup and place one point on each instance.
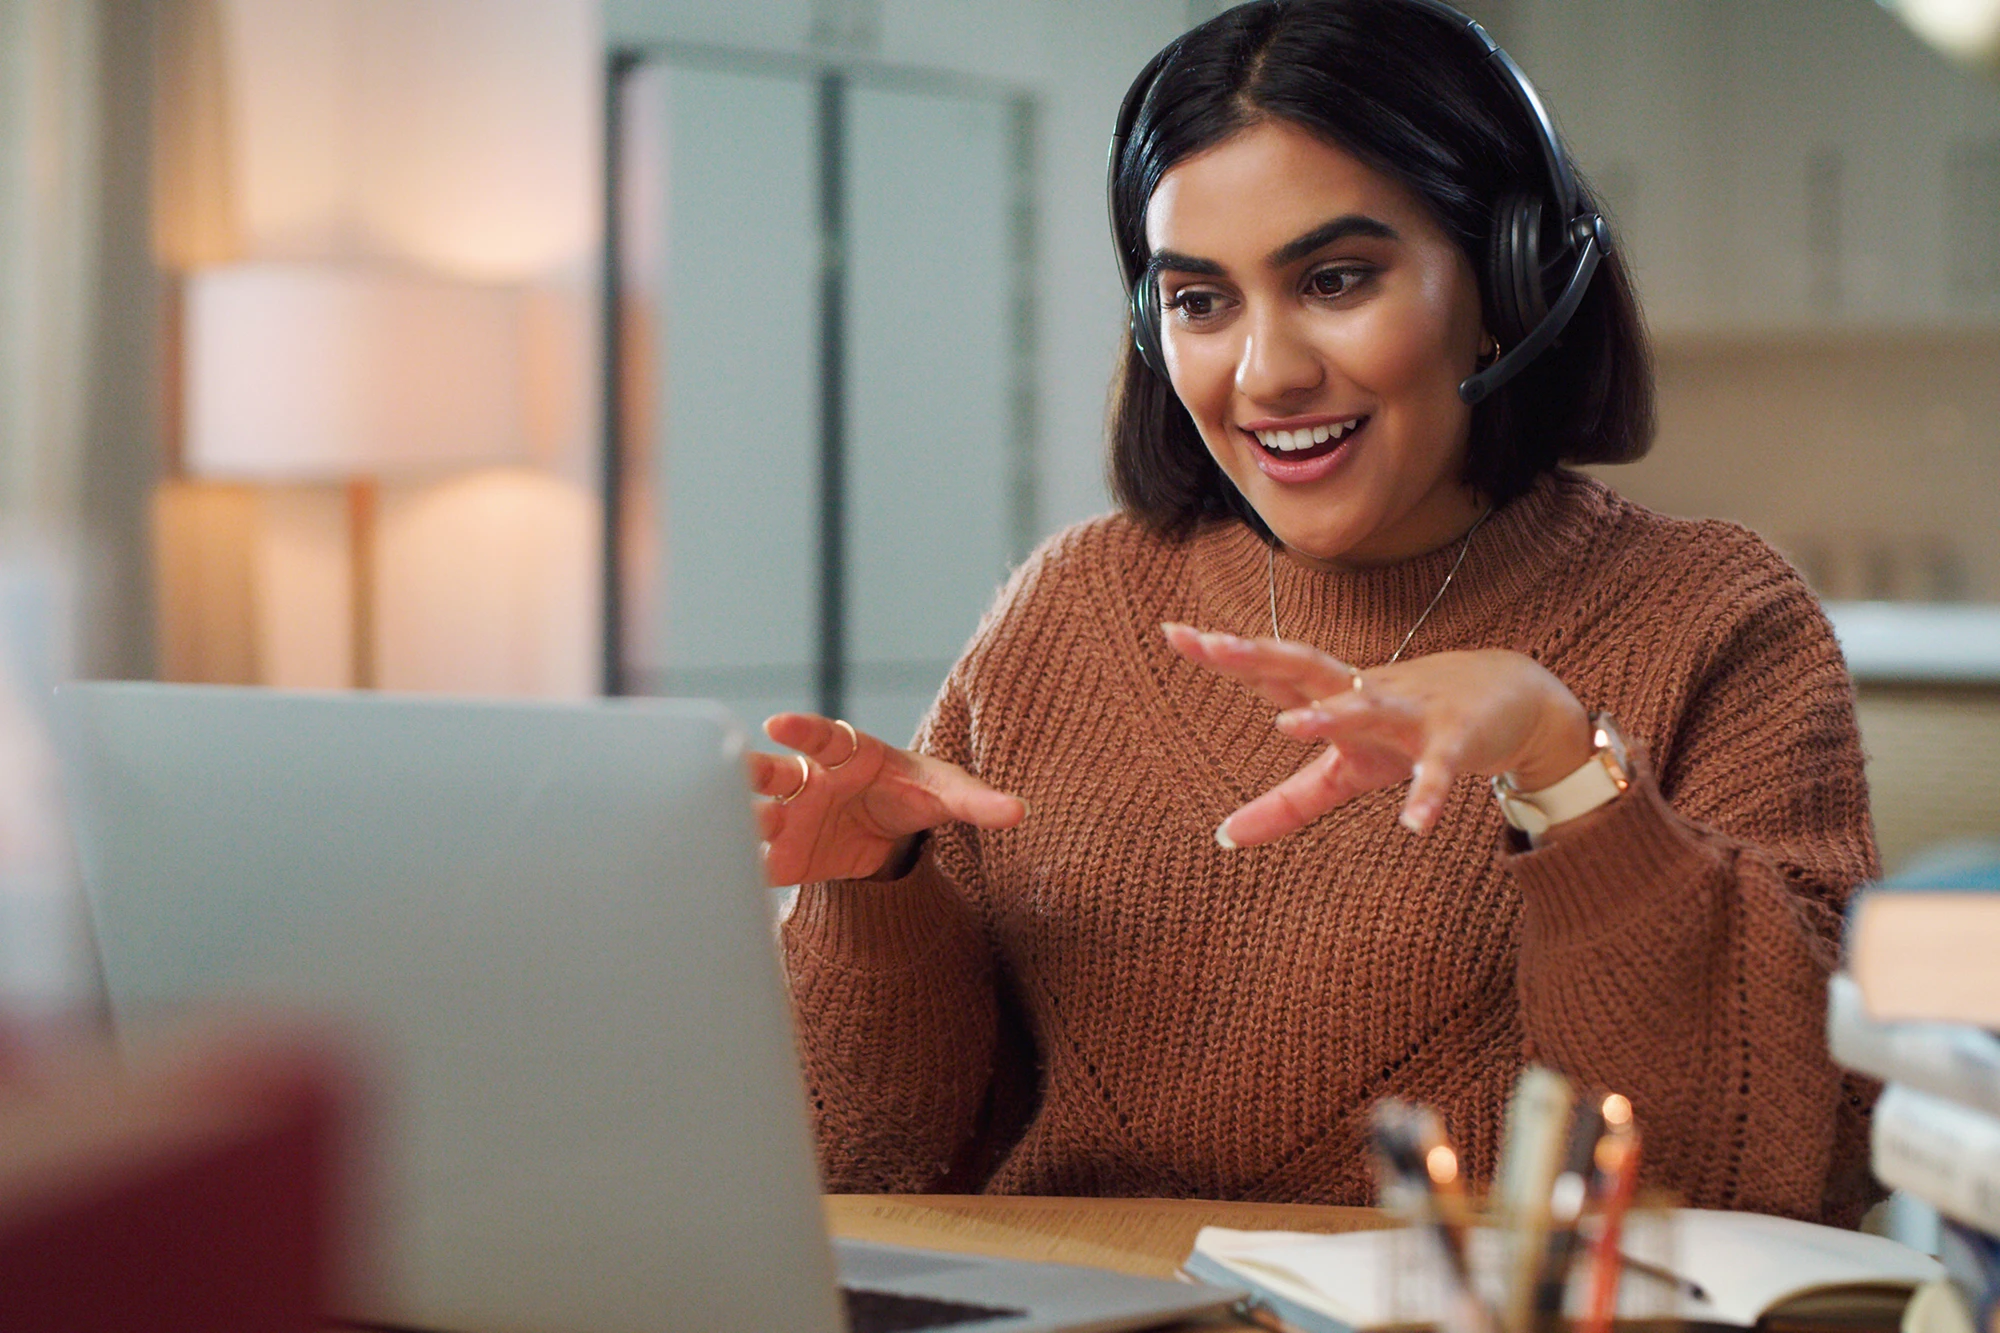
(1531, 299)
(1145, 320)
(1515, 275)
(1499, 273)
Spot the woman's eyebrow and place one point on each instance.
(1289, 253)
(1326, 233)
(1162, 260)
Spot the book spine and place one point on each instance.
(1946, 1154)
(1950, 1060)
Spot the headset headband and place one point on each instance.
(1516, 79)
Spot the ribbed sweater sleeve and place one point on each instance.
(893, 988)
(1676, 946)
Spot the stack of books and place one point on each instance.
(1919, 1008)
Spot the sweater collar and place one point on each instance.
(1361, 615)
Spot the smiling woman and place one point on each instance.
(1374, 315)
(1319, 360)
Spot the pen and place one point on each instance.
(1447, 1184)
(1616, 1160)
(1567, 1195)
(1418, 1166)
(1683, 1286)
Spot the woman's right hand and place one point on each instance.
(847, 805)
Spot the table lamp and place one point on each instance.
(347, 372)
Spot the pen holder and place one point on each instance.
(1533, 1274)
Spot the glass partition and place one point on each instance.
(931, 458)
(822, 454)
(720, 314)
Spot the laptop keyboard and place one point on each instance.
(890, 1312)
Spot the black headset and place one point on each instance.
(1518, 276)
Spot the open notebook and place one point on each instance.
(1735, 1269)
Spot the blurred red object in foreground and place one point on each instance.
(193, 1183)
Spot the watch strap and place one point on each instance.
(1599, 780)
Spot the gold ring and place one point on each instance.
(853, 744)
(805, 776)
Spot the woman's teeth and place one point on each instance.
(1290, 441)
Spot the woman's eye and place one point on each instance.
(1337, 281)
(1193, 304)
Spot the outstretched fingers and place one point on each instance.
(1290, 675)
(1374, 715)
(843, 801)
(770, 819)
(1430, 783)
(965, 797)
(829, 742)
(779, 776)
(1292, 804)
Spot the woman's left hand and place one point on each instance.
(1430, 719)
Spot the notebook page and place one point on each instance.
(1745, 1263)
(1749, 1262)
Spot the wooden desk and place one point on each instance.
(1144, 1236)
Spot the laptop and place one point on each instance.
(548, 925)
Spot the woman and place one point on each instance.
(1226, 930)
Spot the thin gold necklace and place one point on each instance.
(1271, 585)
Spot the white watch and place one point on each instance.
(1601, 778)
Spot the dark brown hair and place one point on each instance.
(1405, 91)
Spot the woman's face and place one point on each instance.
(1307, 300)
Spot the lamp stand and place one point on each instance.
(361, 506)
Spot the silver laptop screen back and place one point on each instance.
(549, 922)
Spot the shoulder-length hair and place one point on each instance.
(1407, 92)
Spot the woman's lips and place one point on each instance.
(1297, 466)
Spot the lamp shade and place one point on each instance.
(323, 371)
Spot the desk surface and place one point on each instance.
(1145, 1236)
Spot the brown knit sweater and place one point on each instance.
(1103, 1001)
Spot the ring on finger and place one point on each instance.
(805, 776)
(1355, 682)
(853, 744)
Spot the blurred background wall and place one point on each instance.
(79, 367)
(1809, 193)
